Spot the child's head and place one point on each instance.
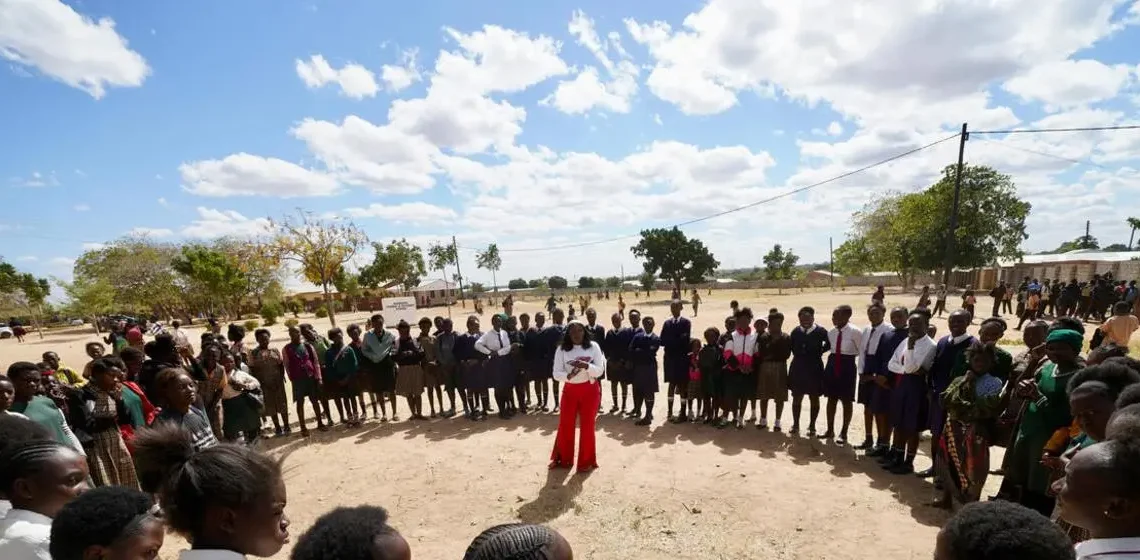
(898, 317)
(916, 325)
(336, 336)
(695, 345)
(262, 337)
(1105, 351)
(25, 378)
(425, 325)
(982, 357)
(1000, 530)
(94, 349)
(992, 329)
(1093, 392)
(235, 332)
(806, 316)
(294, 335)
(133, 359)
(712, 336)
(1069, 323)
(105, 374)
(176, 389)
(958, 322)
(775, 321)
(109, 522)
(7, 393)
(1122, 308)
(1062, 346)
(354, 332)
(472, 324)
(229, 496)
(648, 323)
(356, 533)
(42, 475)
(875, 313)
(1100, 490)
(841, 315)
(228, 360)
(729, 323)
(743, 318)
(517, 540)
(760, 325)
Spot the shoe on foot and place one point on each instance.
(644, 421)
(841, 441)
(878, 451)
(776, 426)
(795, 431)
(925, 473)
(902, 468)
(826, 435)
(865, 446)
(762, 424)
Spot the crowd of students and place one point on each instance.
(151, 419)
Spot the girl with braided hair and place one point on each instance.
(517, 541)
(110, 522)
(38, 477)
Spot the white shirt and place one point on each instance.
(1109, 549)
(210, 555)
(852, 340)
(871, 336)
(5, 507)
(25, 535)
(741, 344)
(595, 363)
(494, 342)
(910, 361)
(180, 337)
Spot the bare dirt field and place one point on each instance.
(667, 491)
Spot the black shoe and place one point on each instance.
(644, 421)
(878, 451)
(926, 473)
(828, 435)
(865, 446)
(902, 468)
(891, 456)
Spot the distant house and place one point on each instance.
(1081, 264)
(435, 292)
(820, 277)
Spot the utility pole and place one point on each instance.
(621, 287)
(458, 273)
(948, 265)
(831, 267)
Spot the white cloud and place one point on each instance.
(81, 207)
(94, 246)
(417, 213)
(835, 129)
(398, 77)
(657, 119)
(355, 81)
(158, 177)
(162, 201)
(243, 174)
(1068, 83)
(80, 173)
(53, 38)
(213, 223)
(37, 179)
(382, 158)
(61, 261)
(587, 90)
(157, 233)
(28, 258)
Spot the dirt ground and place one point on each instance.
(667, 491)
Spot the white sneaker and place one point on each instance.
(763, 423)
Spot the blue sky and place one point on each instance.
(537, 124)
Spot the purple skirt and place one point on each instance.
(908, 404)
(839, 379)
(805, 376)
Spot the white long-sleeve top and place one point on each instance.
(909, 361)
(595, 364)
(494, 342)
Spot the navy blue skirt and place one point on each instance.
(805, 376)
(677, 369)
(473, 376)
(645, 378)
(839, 379)
(909, 404)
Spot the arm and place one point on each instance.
(69, 435)
(368, 350)
(481, 344)
(597, 366)
(560, 371)
(316, 362)
(825, 341)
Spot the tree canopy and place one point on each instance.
(557, 283)
(780, 264)
(22, 291)
(489, 259)
(320, 248)
(398, 261)
(675, 257)
(517, 284)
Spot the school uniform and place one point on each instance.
(740, 380)
(842, 370)
(643, 355)
(410, 372)
(25, 534)
(625, 338)
(710, 361)
(1126, 548)
(871, 363)
(445, 355)
(470, 371)
(550, 339)
(615, 346)
(432, 376)
(949, 362)
(495, 345)
(772, 379)
(675, 337)
(805, 374)
(532, 354)
(888, 343)
(909, 396)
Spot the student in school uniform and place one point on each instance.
(676, 332)
(551, 339)
(445, 339)
(495, 344)
(805, 374)
(774, 347)
(598, 335)
(870, 367)
(760, 327)
(949, 362)
(617, 353)
(939, 300)
(410, 372)
(471, 377)
(634, 328)
(842, 370)
(432, 379)
(532, 355)
(643, 354)
(883, 380)
(739, 354)
(711, 363)
(909, 363)
(517, 329)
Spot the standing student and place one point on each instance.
(1032, 304)
(615, 346)
(805, 374)
(869, 369)
(676, 332)
(1007, 300)
(112, 522)
(241, 402)
(939, 300)
(379, 348)
(551, 338)
(1120, 327)
(518, 379)
(884, 382)
(949, 363)
(879, 296)
(409, 370)
(578, 363)
(643, 355)
(533, 352)
(998, 294)
(303, 367)
(445, 341)
(739, 354)
(711, 363)
(471, 375)
(969, 301)
(64, 374)
(910, 363)
(267, 366)
(324, 392)
(25, 377)
(923, 299)
(432, 379)
(227, 501)
(842, 370)
(210, 390)
(109, 460)
(598, 335)
(1024, 366)
(39, 477)
(341, 367)
(775, 347)
(177, 395)
(495, 344)
(697, 410)
(696, 299)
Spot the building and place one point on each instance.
(435, 292)
(1081, 264)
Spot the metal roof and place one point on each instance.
(1080, 255)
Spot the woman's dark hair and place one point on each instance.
(235, 332)
(1108, 350)
(20, 369)
(148, 348)
(88, 346)
(15, 430)
(23, 459)
(806, 309)
(996, 321)
(260, 332)
(1108, 379)
(1000, 530)
(131, 353)
(103, 365)
(188, 483)
(1070, 323)
(1121, 308)
(345, 534)
(166, 378)
(99, 517)
(743, 311)
(164, 345)
(978, 348)
(568, 344)
(513, 541)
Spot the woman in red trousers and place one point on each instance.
(578, 363)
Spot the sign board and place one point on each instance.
(397, 309)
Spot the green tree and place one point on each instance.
(780, 265)
(1084, 242)
(536, 283)
(675, 257)
(1133, 224)
(557, 283)
(588, 282)
(139, 272)
(88, 298)
(489, 259)
(517, 284)
(1115, 247)
(478, 288)
(399, 262)
(23, 291)
(442, 255)
(853, 258)
(648, 281)
(259, 264)
(348, 286)
(613, 282)
(320, 248)
(214, 274)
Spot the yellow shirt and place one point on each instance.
(68, 376)
(1119, 328)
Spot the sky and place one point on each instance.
(537, 125)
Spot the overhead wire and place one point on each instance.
(1043, 130)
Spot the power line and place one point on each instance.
(1047, 154)
(739, 208)
(1041, 130)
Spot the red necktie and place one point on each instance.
(838, 351)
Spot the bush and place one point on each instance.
(291, 322)
(251, 325)
(270, 312)
(322, 312)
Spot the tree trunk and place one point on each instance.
(495, 281)
(329, 304)
(1131, 237)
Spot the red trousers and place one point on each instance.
(579, 405)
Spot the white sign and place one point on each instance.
(397, 309)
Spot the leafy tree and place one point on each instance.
(536, 283)
(348, 286)
(22, 290)
(139, 272)
(674, 256)
(321, 248)
(779, 264)
(489, 259)
(587, 282)
(648, 281)
(1083, 242)
(853, 258)
(517, 284)
(270, 312)
(478, 288)
(213, 274)
(442, 255)
(259, 265)
(399, 262)
(557, 283)
(613, 282)
(1115, 247)
(87, 297)
(1134, 224)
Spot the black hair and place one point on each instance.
(989, 350)
(335, 332)
(375, 317)
(1108, 379)
(733, 303)
(260, 332)
(996, 321)
(1123, 464)
(23, 459)
(1001, 530)
(99, 517)
(1070, 323)
(1129, 396)
(512, 541)
(878, 306)
(806, 309)
(132, 353)
(188, 483)
(103, 365)
(20, 369)
(235, 332)
(568, 343)
(744, 311)
(774, 315)
(345, 533)
(88, 346)
(15, 430)
(150, 348)
(714, 331)
(526, 315)
(1109, 350)
(166, 377)
(1121, 308)
(425, 319)
(845, 310)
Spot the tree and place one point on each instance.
(87, 297)
(536, 283)
(1134, 224)
(852, 258)
(517, 284)
(399, 262)
(1084, 242)
(780, 264)
(557, 283)
(22, 290)
(442, 255)
(674, 256)
(321, 248)
(587, 282)
(1115, 247)
(259, 265)
(139, 272)
(348, 286)
(478, 288)
(648, 281)
(613, 282)
(213, 275)
(489, 259)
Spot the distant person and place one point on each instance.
(1120, 327)
(998, 294)
(676, 333)
(643, 355)
(939, 300)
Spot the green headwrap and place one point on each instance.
(1068, 336)
(502, 317)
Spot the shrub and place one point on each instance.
(251, 325)
(322, 312)
(270, 312)
(291, 322)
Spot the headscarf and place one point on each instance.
(502, 317)
(1067, 336)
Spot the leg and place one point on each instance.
(586, 409)
(669, 406)
(556, 400)
(648, 418)
(614, 396)
(316, 403)
(624, 394)
(779, 414)
(832, 406)
(431, 400)
(763, 413)
(563, 454)
(395, 406)
(848, 410)
(813, 413)
(301, 417)
(339, 402)
(868, 428)
(797, 407)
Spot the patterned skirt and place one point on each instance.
(110, 462)
(772, 381)
(410, 380)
